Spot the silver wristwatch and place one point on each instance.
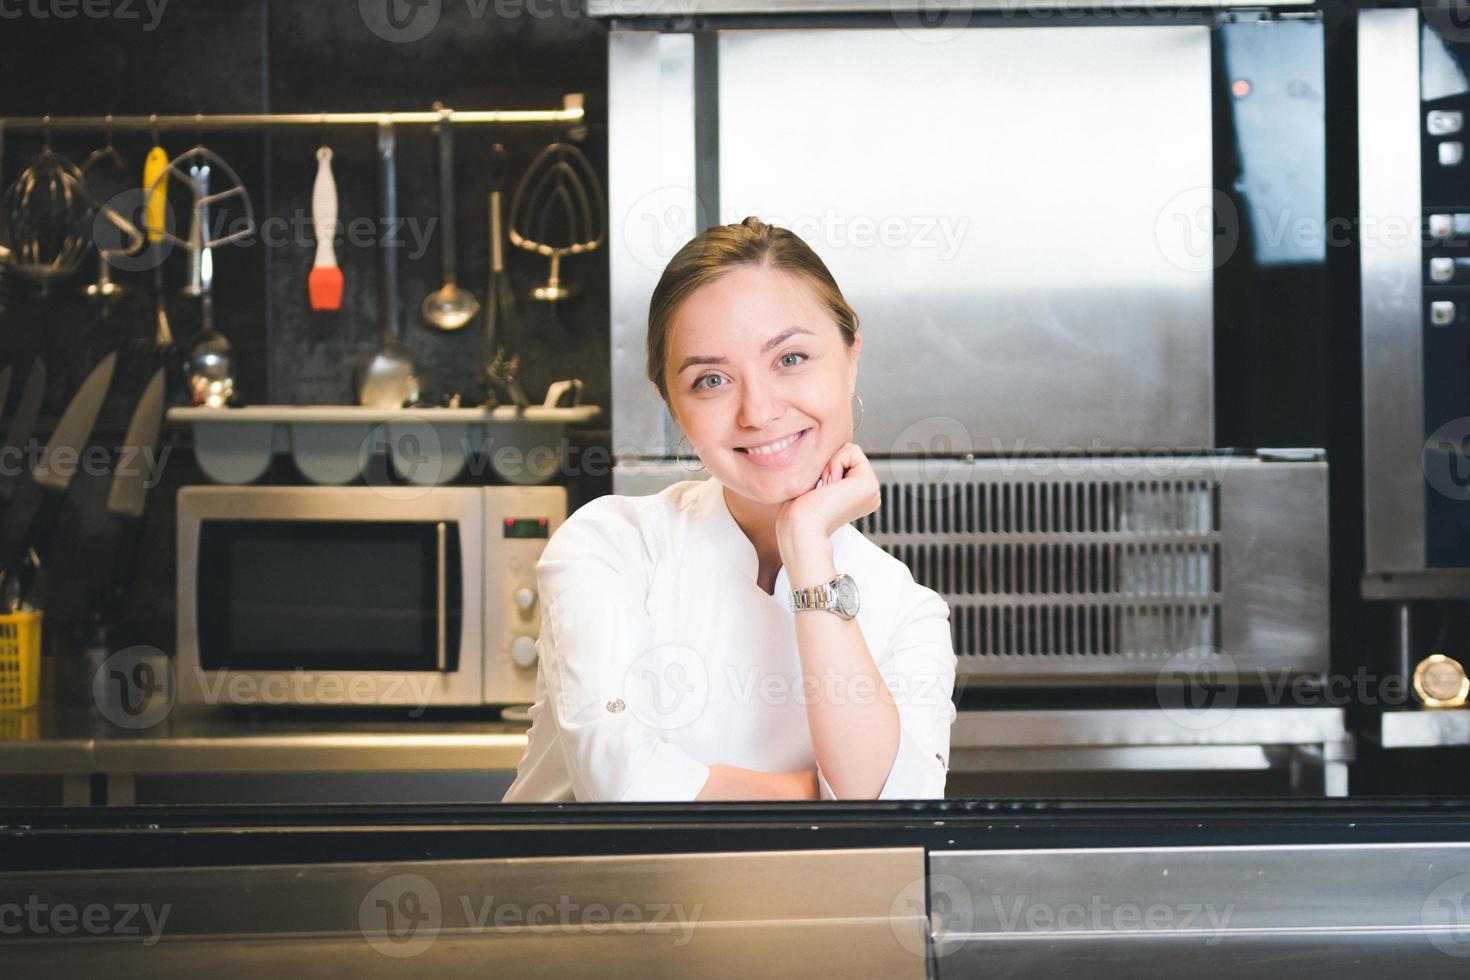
(839, 596)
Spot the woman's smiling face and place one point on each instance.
(755, 359)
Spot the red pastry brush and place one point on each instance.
(325, 283)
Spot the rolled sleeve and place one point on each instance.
(593, 579)
(919, 671)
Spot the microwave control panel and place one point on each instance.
(519, 521)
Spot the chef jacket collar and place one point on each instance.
(730, 540)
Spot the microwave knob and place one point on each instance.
(523, 651)
(525, 599)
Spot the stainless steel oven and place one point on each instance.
(352, 596)
(1041, 339)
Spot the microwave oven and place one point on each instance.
(360, 596)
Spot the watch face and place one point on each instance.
(847, 595)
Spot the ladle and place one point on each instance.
(451, 306)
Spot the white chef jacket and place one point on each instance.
(660, 656)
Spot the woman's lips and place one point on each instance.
(776, 459)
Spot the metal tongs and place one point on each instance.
(504, 375)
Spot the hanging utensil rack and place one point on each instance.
(572, 111)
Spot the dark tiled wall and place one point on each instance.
(245, 56)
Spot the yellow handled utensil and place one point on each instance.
(156, 190)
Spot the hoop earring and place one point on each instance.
(678, 459)
(862, 412)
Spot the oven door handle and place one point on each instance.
(442, 606)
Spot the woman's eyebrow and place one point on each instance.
(774, 341)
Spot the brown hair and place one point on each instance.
(721, 249)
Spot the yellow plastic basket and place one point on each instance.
(20, 726)
(20, 660)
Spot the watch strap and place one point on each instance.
(822, 596)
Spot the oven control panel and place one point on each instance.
(1444, 133)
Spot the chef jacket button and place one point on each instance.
(616, 705)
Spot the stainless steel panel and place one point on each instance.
(1389, 198)
(653, 212)
(1345, 911)
(839, 914)
(945, 14)
(1275, 568)
(1425, 728)
(1001, 296)
(978, 730)
(1431, 583)
(1309, 746)
(1107, 570)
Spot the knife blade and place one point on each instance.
(19, 430)
(130, 484)
(74, 427)
(4, 386)
(129, 492)
(67, 439)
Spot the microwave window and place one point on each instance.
(326, 595)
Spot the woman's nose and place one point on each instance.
(759, 405)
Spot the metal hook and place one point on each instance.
(198, 129)
(324, 130)
(108, 152)
(153, 128)
(46, 133)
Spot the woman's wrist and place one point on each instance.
(736, 783)
(800, 784)
(808, 560)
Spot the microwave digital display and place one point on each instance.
(524, 527)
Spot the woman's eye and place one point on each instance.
(699, 382)
(792, 354)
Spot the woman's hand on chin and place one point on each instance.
(846, 491)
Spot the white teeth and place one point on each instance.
(775, 447)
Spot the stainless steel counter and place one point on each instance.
(81, 748)
(76, 745)
(953, 888)
(1311, 744)
(832, 914)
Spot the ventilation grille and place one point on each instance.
(1063, 569)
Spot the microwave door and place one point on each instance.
(359, 599)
